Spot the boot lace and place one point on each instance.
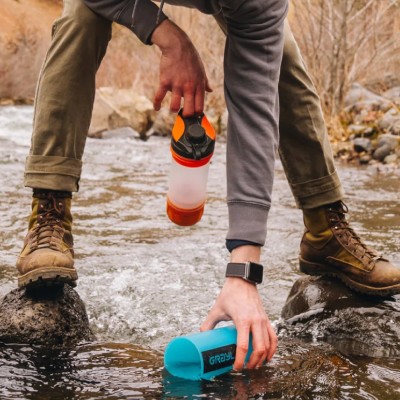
(47, 233)
(348, 237)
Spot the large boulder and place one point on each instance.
(359, 98)
(163, 123)
(117, 108)
(51, 317)
(324, 309)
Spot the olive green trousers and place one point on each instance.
(65, 95)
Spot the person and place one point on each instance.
(257, 44)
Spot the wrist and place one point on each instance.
(246, 253)
(168, 36)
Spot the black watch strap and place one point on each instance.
(249, 271)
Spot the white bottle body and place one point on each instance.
(187, 185)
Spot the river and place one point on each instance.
(145, 280)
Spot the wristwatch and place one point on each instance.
(249, 271)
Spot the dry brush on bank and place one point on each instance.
(343, 41)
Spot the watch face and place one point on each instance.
(255, 273)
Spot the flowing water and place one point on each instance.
(145, 281)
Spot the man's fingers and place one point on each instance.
(199, 100)
(213, 318)
(175, 104)
(260, 345)
(208, 87)
(159, 97)
(188, 103)
(273, 339)
(242, 346)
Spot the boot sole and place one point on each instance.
(326, 270)
(48, 277)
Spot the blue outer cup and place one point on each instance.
(202, 355)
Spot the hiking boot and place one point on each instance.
(47, 258)
(330, 247)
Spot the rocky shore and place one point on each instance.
(371, 122)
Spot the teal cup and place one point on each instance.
(202, 355)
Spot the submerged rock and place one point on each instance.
(324, 309)
(53, 317)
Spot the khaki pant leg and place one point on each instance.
(304, 145)
(64, 98)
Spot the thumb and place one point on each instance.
(208, 88)
(212, 320)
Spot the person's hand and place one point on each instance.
(240, 302)
(181, 70)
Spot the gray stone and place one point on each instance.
(51, 317)
(382, 151)
(393, 94)
(360, 98)
(390, 121)
(391, 140)
(362, 144)
(390, 159)
(356, 130)
(324, 309)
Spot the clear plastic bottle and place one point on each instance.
(192, 146)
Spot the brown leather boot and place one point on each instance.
(330, 247)
(47, 257)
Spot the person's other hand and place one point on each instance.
(240, 302)
(181, 70)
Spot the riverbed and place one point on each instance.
(145, 280)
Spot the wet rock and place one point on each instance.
(390, 159)
(382, 151)
(52, 317)
(324, 309)
(393, 94)
(362, 144)
(117, 108)
(390, 121)
(360, 98)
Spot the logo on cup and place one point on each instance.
(218, 358)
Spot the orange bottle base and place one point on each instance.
(184, 217)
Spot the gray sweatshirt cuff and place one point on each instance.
(145, 16)
(247, 222)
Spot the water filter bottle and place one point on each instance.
(203, 355)
(192, 146)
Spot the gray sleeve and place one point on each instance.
(120, 11)
(252, 62)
